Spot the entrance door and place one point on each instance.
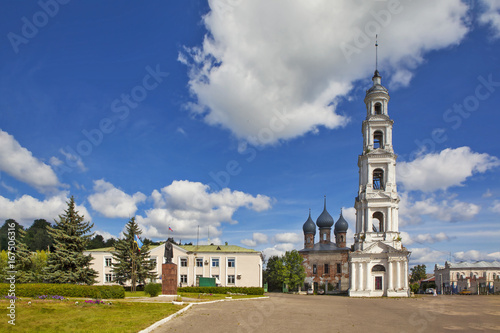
(378, 283)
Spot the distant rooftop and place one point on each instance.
(476, 264)
(194, 248)
(216, 248)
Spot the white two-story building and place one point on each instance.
(231, 265)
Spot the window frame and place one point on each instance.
(214, 260)
(184, 262)
(199, 262)
(231, 262)
(183, 277)
(233, 279)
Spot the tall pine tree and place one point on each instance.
(24, 264)
(67, 263)
(130, 263)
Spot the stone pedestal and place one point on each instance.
(169, 279)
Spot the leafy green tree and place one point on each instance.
(294, 271)
(3, 266)
(38, 265)
(275, 273)
(5, 229)
(37, 236)
(130, 262)
(96, 243)
(67, 263)
(110, 242)
(286, 269)
(418, 273)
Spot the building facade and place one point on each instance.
(231, 265)
(378, 262)
(481, 277)
(326, 262)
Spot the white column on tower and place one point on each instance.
(389, 277)
(353, 276)
(360, 276)
(367, 276)
(398, 275)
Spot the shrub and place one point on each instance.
(223, 290)
(66, 290)
(153, 289)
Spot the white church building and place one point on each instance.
(378, 262)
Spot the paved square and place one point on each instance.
(301, 313)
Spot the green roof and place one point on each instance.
(194, 248)
(217, 248)
(102, 249)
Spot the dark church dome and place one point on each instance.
(309, 227)
(341, 225)
(325, 220)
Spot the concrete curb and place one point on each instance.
(172, 316)
(164, 320)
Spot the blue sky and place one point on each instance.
(239, 116)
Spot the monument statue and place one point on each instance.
(169, 252)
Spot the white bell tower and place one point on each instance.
(379, 262)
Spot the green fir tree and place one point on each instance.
(131, 263)
(24, 264)
(67, 263)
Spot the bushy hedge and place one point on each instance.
(153, 289)
(223, 290)
(66, 290)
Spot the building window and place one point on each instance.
(230, 279)
(315, 269)
(327, 269)
(378, 108)
(378, 268)
(231, 262)
(378, 283)
(378, 140)
(339, 268)
(215, 262)
(378, 179)
(215, 277)
(109, 277)
(184, 262)
(184, 278)
(107, 262)
(153, 261)
(378, 222)
(199, 262)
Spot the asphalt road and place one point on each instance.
(308, 313)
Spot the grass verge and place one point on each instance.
(66, 316)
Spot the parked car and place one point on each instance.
(310, 291)
(465, 292)
(429, 291)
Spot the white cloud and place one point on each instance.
(474, 255)
(72, 159)
(496, 206)
(26, 209)
(288, 237)
(185, 205)
(278, 250)
(450, 167)
(106, 235)
(423, 238)
(113, 202)
(487, 194)
(257, 238)
(426, 256)
(299, 57)
(491, 16)
(411, 212)
(20, 163)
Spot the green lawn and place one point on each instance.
(66, 316)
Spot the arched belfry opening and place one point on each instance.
(378, 179)
(378, 139)
(378, 108)
(378, 222)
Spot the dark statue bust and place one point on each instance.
(169, 251)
